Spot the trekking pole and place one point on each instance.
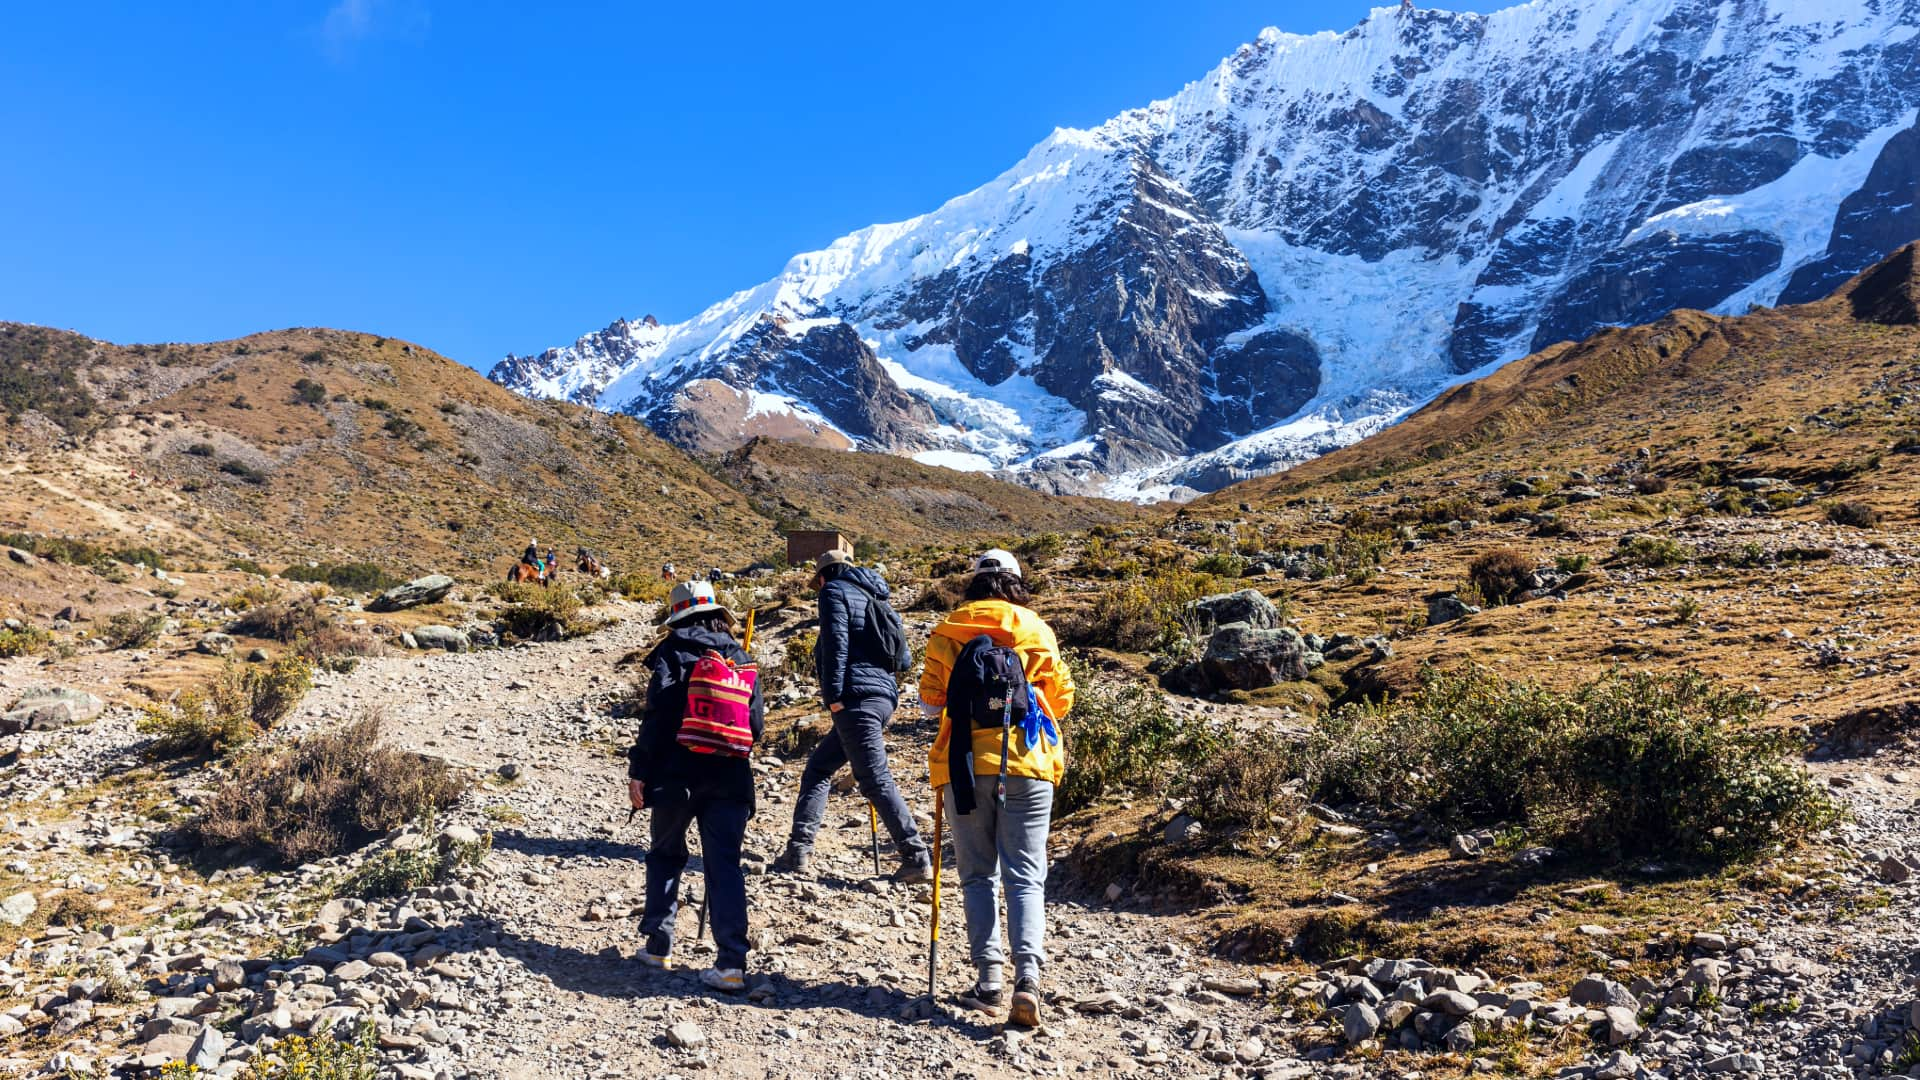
(933, 943)
(873, 824)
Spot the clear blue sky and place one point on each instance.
(483, 177)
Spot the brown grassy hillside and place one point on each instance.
(322, 444)
(883, 497)
(1735, 495)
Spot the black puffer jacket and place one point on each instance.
(671, 772)
(845, 658)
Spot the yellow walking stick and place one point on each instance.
(933, 944)
(748, 644)
(873, 825)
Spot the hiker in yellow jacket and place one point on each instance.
(1001, 825)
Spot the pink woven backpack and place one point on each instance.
(719, 707)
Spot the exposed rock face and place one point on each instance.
(1314, 237)
(1881, 216)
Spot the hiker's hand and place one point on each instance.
(637, 794)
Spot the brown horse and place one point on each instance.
(525, 571)
(591, 566)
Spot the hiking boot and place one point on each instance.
(1026, 1003)
(914, 873)
(791, 861)
(725, 980)
(657, 963)
(988, 994)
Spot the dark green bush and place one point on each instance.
(1121, 737)
(308, 392)
(346, 577)
(132, 630)
(1853, 515)
(1652, 552)
(1222, 564)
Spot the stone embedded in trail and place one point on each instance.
(1597, 991)
(424, 590)
(686, 1035)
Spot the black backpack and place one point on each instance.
(987, 689)
(886, 634)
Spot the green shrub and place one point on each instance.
(1571, 564)
(401, 428)
(320, 1057)
(326, 793)
(200, 449)
(1652, 552)
(244, 471)
(1853, 515)
(1138, 616)
(541, 612)
(395, 872)
(344, 577)
(1501, 574)
(1622, 765)
(1121, 737)
(641, 586)
(1040, 546)
(308, 392)
(27, 641)
(1251, 781)
(1221, 564)
(132, 630)
(240, 704)
(798, 657)
(282, 620)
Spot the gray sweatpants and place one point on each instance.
(1007, 841)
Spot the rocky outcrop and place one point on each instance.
(423, 590)
(49, 710)
(1883, 215)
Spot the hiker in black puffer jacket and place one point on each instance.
(683, 787)
(858, 689)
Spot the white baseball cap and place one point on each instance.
(996, 560)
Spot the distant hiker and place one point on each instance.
(666, 571)
(994, 672)
(861, 646)
(690, 764)
(714, 574)
(531, 556)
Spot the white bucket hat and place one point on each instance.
(690, 598)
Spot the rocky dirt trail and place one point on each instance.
(528, 969)
(840, 957)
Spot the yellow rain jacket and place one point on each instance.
(1020, 629)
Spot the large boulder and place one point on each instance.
(1448, 608)
(1247, 606)
(47, 710)
(427, 590)
(440, 637)
(1246, 658)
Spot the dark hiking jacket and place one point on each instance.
(845, 658)
(671, 772)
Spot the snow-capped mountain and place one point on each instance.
(1314, 238)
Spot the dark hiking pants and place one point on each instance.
(857, 739)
